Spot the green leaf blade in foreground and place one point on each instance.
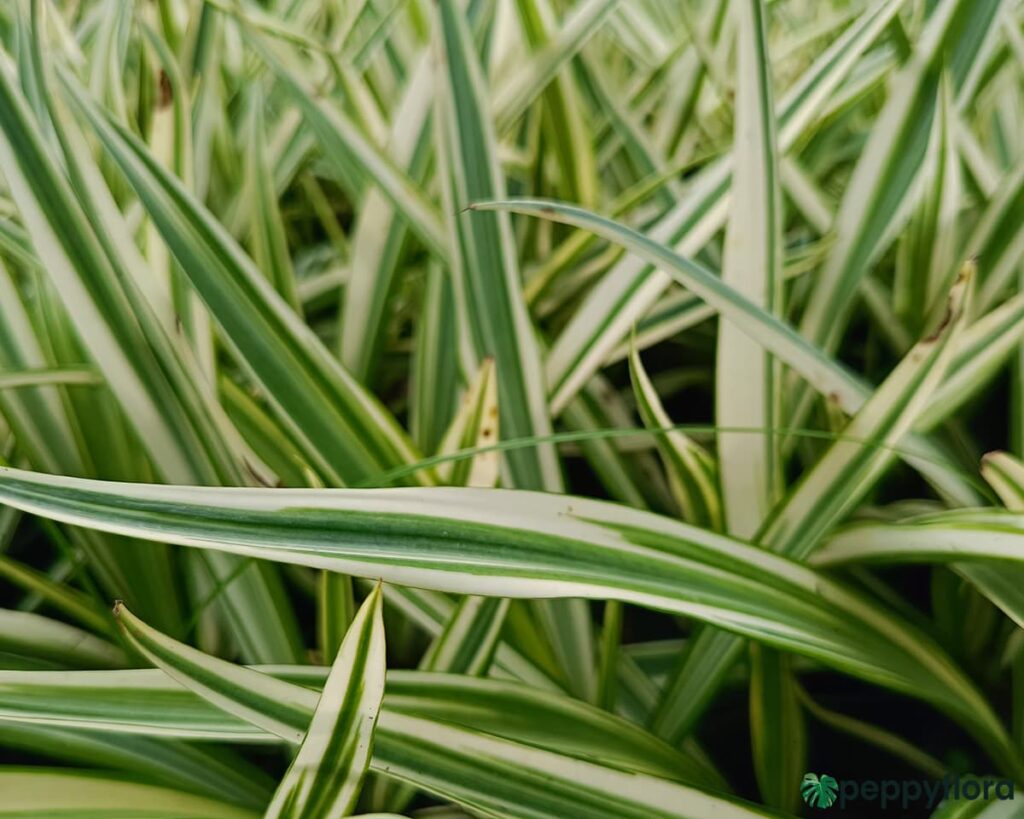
(525, 544)
(326, 775)
(479, 771)
(149, 702)
(83, 794)
(746, 388)
(959, 534)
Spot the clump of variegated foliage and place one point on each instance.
(534, 408)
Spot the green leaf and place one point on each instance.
(266, 227)
(491, 308)
(475, 426)
(746, 389)
(83, 794)
(486, 274)
(876, 199)
(347, 147)
(778, 734)
(987, 534)
(468, 642)
(825, 494)
(342, 429)
(430, 754)
(512, 544)
(100, 277)
(45, 643)
(379, 235)
(434, 374)
(325, 777)
(215, 773)
(151, 703)
(693, 474)
(633, 285)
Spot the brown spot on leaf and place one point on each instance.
(946, 319)
(166, 95)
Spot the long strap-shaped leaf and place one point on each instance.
(36, 416)
(75, 261)
(883, 181)
(769, 332)
(213, 772)
(985, 534)
(820, 500)
(747, 388)
(479, 771)
(491, 308)
(83, 794)
(347, 147)
(343, 429)
(692, 473)
(380, 230)
(103, 282)
(525, 544)
(44, 643)
(487, 282)
(149, 702)
(633, 285)
(745, 376)
(325, 777)
(514, 96)
(829, 377)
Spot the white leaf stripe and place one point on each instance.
(829, 377)
(190, 668)
(771, 333)
(468, 642)
(486, 272)
(325, 777)
(506, 543)
(882, 183)
(342, 427)
(746, 391)
(345, 143)
(511, 778)
(692, 473)
(990, 534)
(82, 794)
(825, 493)
(632, 286)
(24, 633)
(150, 702)
(217, 773)
(74, 258)
(500, 778)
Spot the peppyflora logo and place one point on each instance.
(818, 791)
(823, 791)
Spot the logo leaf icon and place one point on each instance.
(819, 791)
